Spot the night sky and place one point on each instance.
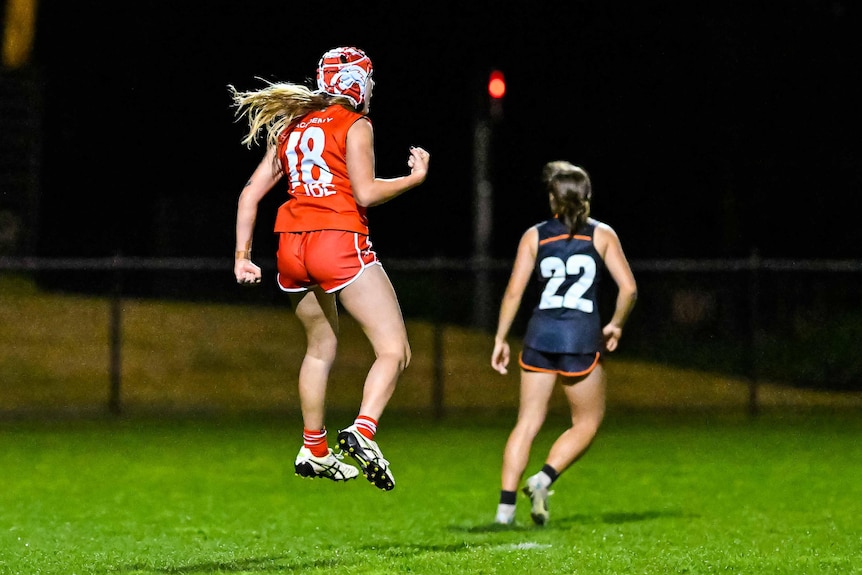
(709, 129)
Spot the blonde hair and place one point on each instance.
(273, 108)
(570, 192)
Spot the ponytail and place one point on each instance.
(570, 192)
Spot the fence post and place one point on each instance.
(438, 399)
(438, 394)
(115, 335)
(753, 330)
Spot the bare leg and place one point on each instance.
(587, 405)
(536, 390)
(318, 314)
(372, 302)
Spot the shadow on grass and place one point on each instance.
(399, 550)
(291, 564)
(566, 521)
(251, 564)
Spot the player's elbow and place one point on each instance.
(631, 294)
(362, 199)
(365, 197)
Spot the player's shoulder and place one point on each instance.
(532, 231)
(530, 238)
(343, 114)
(603, 236)
(602, 227)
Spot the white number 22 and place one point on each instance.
(556, 271)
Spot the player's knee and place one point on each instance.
(588, 424)
(323, 348)
(399, 359)
(402, 360)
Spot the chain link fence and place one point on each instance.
(763, 321)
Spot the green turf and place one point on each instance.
(657, 494)
(713, 492)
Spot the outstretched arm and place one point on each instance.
(525, 261)
(369, 190)
(258, 185)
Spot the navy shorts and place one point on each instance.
(568, 364)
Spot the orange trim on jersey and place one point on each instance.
(563, 237)
(556, 371)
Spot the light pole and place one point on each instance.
(483, 199)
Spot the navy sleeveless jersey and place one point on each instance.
(566, 319)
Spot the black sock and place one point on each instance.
(550, 472)
(508, 497)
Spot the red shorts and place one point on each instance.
(331, 259)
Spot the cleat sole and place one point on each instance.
(372, 472)
(539, 508)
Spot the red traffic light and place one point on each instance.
(496, 85)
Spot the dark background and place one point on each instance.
(710, 129)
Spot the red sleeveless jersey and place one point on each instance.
(312, 155)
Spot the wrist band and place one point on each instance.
(242, 255)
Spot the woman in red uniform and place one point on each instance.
(323, 143)
(565, 338)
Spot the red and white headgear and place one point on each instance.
(344, 72)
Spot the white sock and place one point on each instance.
(542, 479)
(505, 511)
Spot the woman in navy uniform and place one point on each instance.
(565, 339)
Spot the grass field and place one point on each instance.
(657, 494)
(196, 475)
